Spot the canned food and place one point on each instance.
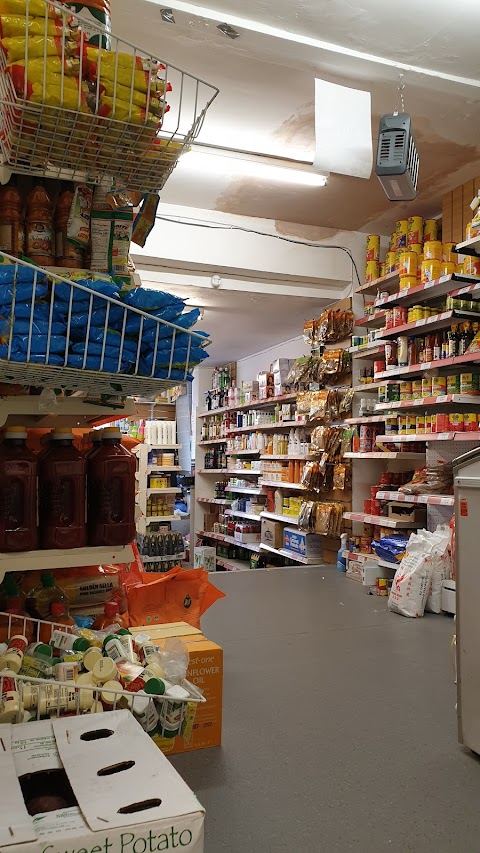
(430, 230)
(427, 386)
(417, 389)
(433, 250)
(415, 230)
(420, 424)
(400, 316)
(401, 231)
(382, 586)
(411, 424)
(383, 269)
(391, 353)
(405, 390)
(472, 231)
(453, 384)
(366, 438)
(373, 247)
(470, 420)
(441, 423)
(365, 545)
(389, 318)
(391, 261)
(468, 383)
(416, 247)
(408, 264)
(439, 386)
(430, 270)
(378, 367)
(448, 255)
(429, 422)
(456, 421)
(402, 424)
(372, 271)
(391, 425)
(448, 268)
(419, 268)
(375, 507)
(408, 281)
(471, 266)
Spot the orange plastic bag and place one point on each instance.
(177, 596)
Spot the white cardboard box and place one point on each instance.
(205, 558)
(144, 805)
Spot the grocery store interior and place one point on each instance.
(239, 426)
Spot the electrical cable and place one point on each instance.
(218, 226)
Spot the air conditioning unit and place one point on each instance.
(397, 157)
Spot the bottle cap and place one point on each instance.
(107, 639)
(57, 608)
(111, 608)
(112, 432)
(124, 632)
(15, 432)
(61, 434)
(81, 645)
(43, 650)
(154, 687)
(47, 580)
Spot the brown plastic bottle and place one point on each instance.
(18, 493)
(12, 226)
(111, 492)
(110, 616)
(39, 226)
(62, 493)
(66, 255)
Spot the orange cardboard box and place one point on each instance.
(205, 670)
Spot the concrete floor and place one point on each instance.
(339, 724)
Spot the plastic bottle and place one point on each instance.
(12, 226)
(341, 560)
(59, 614)
(13, 657)
(96, 440)
(53, 697)
(110, 616)
(111, 492)
(39, 226)
(10, 703)
(62, 492)
(11, 597)
(66, 255)
(40, 599)
(18, 493)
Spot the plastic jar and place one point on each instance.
(372, 271)
(62, 641)
(109, 695)
(104, 670)
(430, 230)
(407, 281)
(113, 648)
(433, 250)
(53, 697)
(91, 657)
(13, 657)
(10, 702)
(144, 646)
(431, 270)
(408, 264)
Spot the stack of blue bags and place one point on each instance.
(146, 345)
(391, 548)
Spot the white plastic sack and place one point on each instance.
(439, 547)
(412, 580)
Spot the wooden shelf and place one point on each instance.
(68, 411)
(26, 561)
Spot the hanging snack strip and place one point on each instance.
(324, 518)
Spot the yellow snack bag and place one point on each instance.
(12, 26)
(36, 68)
(124, 93)
(38, 46)
(36, 9)
(122, 111)
(23, 85)
(109, 59)
(141, 81)
(53, 96)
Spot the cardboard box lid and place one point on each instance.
(16, 826)
(168, 629)
(115, 799)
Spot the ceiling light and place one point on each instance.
(287, 35)
(227, 30)
(249, 167)
(167, 16)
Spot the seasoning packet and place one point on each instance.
(78, 226)
(145, 219)
(111, 235)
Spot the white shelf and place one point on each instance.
(251, 516)
(221, 537)
(212, 441)
(214, 471)
(430, 500)
(387, 454)
(151, 519)
(282, 552)
(458, 399)
(469, 247)
(242, 490)
(292, 458)
(163, 559)
(171, 468)
(270, 427)
(462, 435)
(281, 485)
(169, 491)
(68, 411)
(368, 352)
(392, 566)
(370, 419)
(215, 501)
(243, 452)
(244, 471)
(255, 404)
(27, 561)
(286, 519)
(381, 520)
(158, 446)
(232, 565)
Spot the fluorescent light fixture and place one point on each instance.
(226, 164)
(237, 22)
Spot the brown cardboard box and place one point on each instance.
(272, 533)
(209, 519)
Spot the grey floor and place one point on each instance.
(339, 724)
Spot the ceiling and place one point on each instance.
(267, 87)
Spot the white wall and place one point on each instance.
(248, 368)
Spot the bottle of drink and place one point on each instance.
(39, 226)
(110, 616)
(437, 347)
(59, 614)
(453, 341)
(66, 255)
(111, 492)
(18, 493)
(445, 345)
(12, 226)
(41, 598)
(62, 493)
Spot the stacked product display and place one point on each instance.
(281, 450)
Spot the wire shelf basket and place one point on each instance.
(74, 111)
(59, 333)
(161, 717)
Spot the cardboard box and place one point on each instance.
(265, 379)
(272, 533)
(205, 557)
(104, 811)
(309, 545)
(401, 511)
(239, 536)
(209, 519)
(205, 670)
(281, 365)
(250, 387)
(265, 392)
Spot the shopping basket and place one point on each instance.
(71, 112)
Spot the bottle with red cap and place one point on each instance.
(110, 616)
(59, 614)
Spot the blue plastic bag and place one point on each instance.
(23, 310)
(38, 344)
(81, 297)
(110, 365)
(110, 352)
(22, 292)
(79, 319)
(10, 273)
(170, 313)
(35, 358)
(151, 300)
(40, 327)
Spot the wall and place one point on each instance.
(456, 211)
(248, 368)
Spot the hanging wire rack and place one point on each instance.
(69, 110)
(160, 354)
(69, 698)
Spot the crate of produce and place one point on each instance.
(84, 332)
(73, 110)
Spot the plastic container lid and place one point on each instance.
(104, 670)
(91, 657)
(81, 645)
(111, 608)
(57, 608)
(43, 650)
(15, 432)
(47, 580)
(111, 433)
(61, 434)
(154, 687)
